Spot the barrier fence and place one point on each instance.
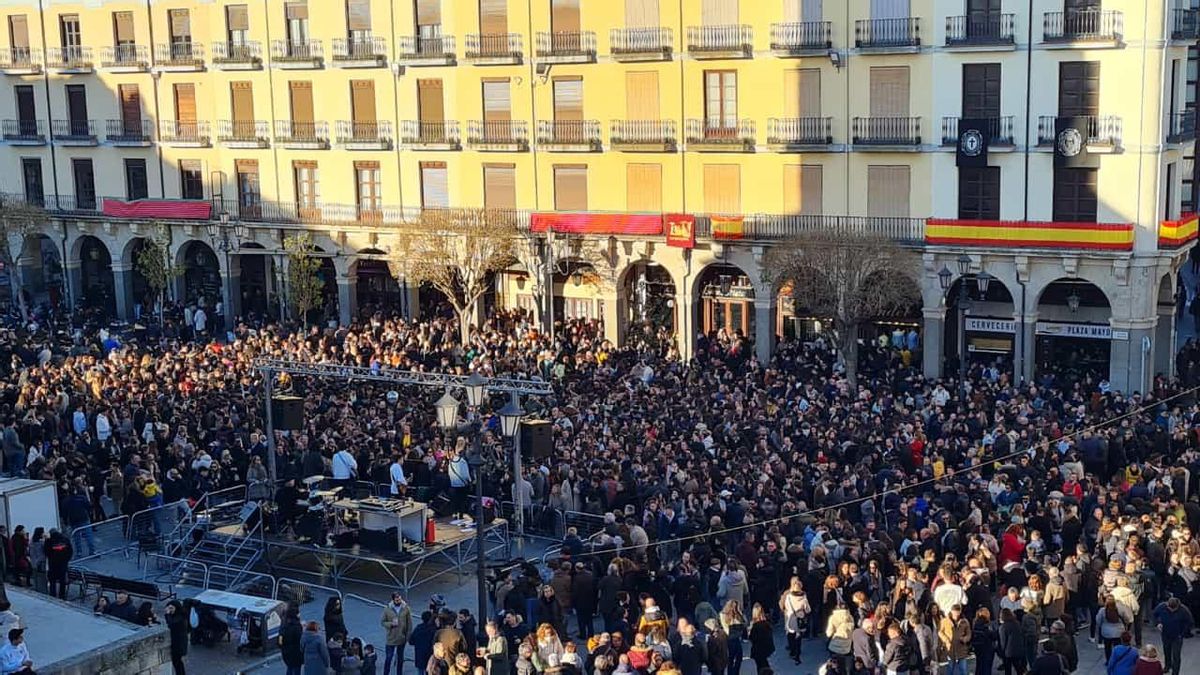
(102, 538)
(159, 520)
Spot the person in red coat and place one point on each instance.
(1012, 545)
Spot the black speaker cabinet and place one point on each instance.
(537, 439)
(287, 413)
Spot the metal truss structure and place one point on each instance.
(506, 385)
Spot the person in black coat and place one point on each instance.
(583, 596)
(422, 640)
(335, 623)
(688, 650)
(178, 627)
(289, 640)
(762, 639)
(718, 647)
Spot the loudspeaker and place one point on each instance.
(537, 439)
(287, 413)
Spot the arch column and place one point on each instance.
(347, 286)
(73, 278)
(1164, 341)
(231, 289)
(933, 330)
(764, 323)
(1131, 359)
(123, 289)
(685, 316)
(1025, 346)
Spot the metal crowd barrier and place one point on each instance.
(159, 520)
(587, 524)
(97, 539)
(328, 589)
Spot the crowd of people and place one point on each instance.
(901, 521)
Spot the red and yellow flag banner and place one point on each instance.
(1176, 233)
(1029, 234)
(728, 227)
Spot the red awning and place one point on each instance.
(172, 209)
(598, 223)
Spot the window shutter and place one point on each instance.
(499, 186)
(435, 189)
(185, 103)
(181, 23)
(570, 187)
(802, 92)
(811, 10)
(497, 101)
(568, 99)
(889, 9)
(643, 188)
(237, 17)
(242, 94)
(642, 14)
(802, 189)
(429, 12)
(792, 11)
(887, 191)
(719, 12)
(296, 11)
(564, 16)
(246, 165)
(430, 105)
(358, 15)
(123, 27)
(723, 189)
(889, 91)
(493, 17)
(26, 103)
(131, 103)
(362, 95)
(18, 30)
(641, 95)
(301, 95)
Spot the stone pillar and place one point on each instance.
(412, 299)
(1131, 358)
(1025, 340)
(123, 289)
(933, 332)
(764, 325)
(347, 299)
(1165, 346)
(74, 281)
(613, 311)
(685, 320)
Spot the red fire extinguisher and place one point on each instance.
(430, 532)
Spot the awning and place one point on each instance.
(151, 209)
(598, 223)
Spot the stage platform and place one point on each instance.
(452, 552)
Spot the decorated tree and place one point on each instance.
(305, 288)
(153, 262)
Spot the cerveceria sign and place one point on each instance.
(1090, 331)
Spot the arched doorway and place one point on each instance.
(41, 272)
(257, 279)
(576, 295)
(725, 303)
(378, 290)
(985, 330)
(1074, 334)
(201, 274)
(96, 286)
(327, 273)
(649, 291)
(144, 300)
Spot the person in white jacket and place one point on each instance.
(14, 656)
(794, 605)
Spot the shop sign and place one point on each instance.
(1088, 331)
(985, 325)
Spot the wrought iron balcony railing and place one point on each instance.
(25, 131)
(642, 133)
(976, 30)
(237, 53)
(179, 54)
(129, 131)
(794, 131)
(191, 133)
(1103, 130)
(243, 131)
(69, 58)
(999, 130)
(1083, 25)
(566, 44)
(364, 133)
(417, 48)
(371, 49)
(575, 133)
(21, 58)
(297, 51)
(887, 33)
(125, 56)
(711, 131)
(722, 39)
(430, 133)
(73, 130)
(500, 134)
(802, 36)
(885, 131)
(308, 133)
(645, 41)
(494, 46)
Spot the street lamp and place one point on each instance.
(510, 424)
(476, 386)
(510, 417)
(982, 281)
(1073, 302)
(447, 411)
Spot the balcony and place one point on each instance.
(237, 55)
(297, 54)
(498, 135)
(1104, 132)
(75, 133)
(773, 227)
(135, 133)
(301, 135)
(426, 51)
(980, 32)
(800, 133)
(184, 134)
(1083, 27)
(70, 60)
(21, 61)
(367, 52)
(644, 135)
(430, 135)
(720, 42)
(641, 44)
(125, 58)
(493, 50)
(806, 38)
(569, 135)
(888, 35)
(999, 131)
(24, 132)
(1185, 25)
(356, 135)
(247, 134)
(886, 133)
(1181, 127)
(566, 47)
(179, 57)
(719, 135)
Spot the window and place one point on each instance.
(136, 185)
(85, 183)
(241, 97)
(296, 14)
(570, 187)
(367, 190)
(1075, 195)
(69, 34)
(723, 189)
(981, 90)
(493, 17)
(123, 29)
(300, 96)
(796, 11)
(568, 99)
(577, 308)
(643, 188)
(719, 12)
(31, 173)
(435, 186)
(358, 20)
(802, 93)
(77, 110)
(131, 109)
(185, 108)
(249, 193)
(720, 99)
(191, 179)
(888, 190)
(237, 23)
(18, 38)
(429, 24)
(1078, 88)
(499, 186)
(979, 193)
(430, 106)
(1169, 212)
(308, 186)
(641, 95)
(889, 91)
(26, 109)
(497, 109)
(890, 9)
(362, 101)
(641, 14)
(564, 16)
(180, 21)
(802, 189)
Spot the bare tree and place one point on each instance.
(18, 220)
(847, 277)
(456, 251)
(305, 288)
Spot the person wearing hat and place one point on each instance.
(14, 656)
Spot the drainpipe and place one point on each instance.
(154, 79)
(1028, 110)
(270, 67)
(49, 107)
(1020, 373)
(67, 290)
